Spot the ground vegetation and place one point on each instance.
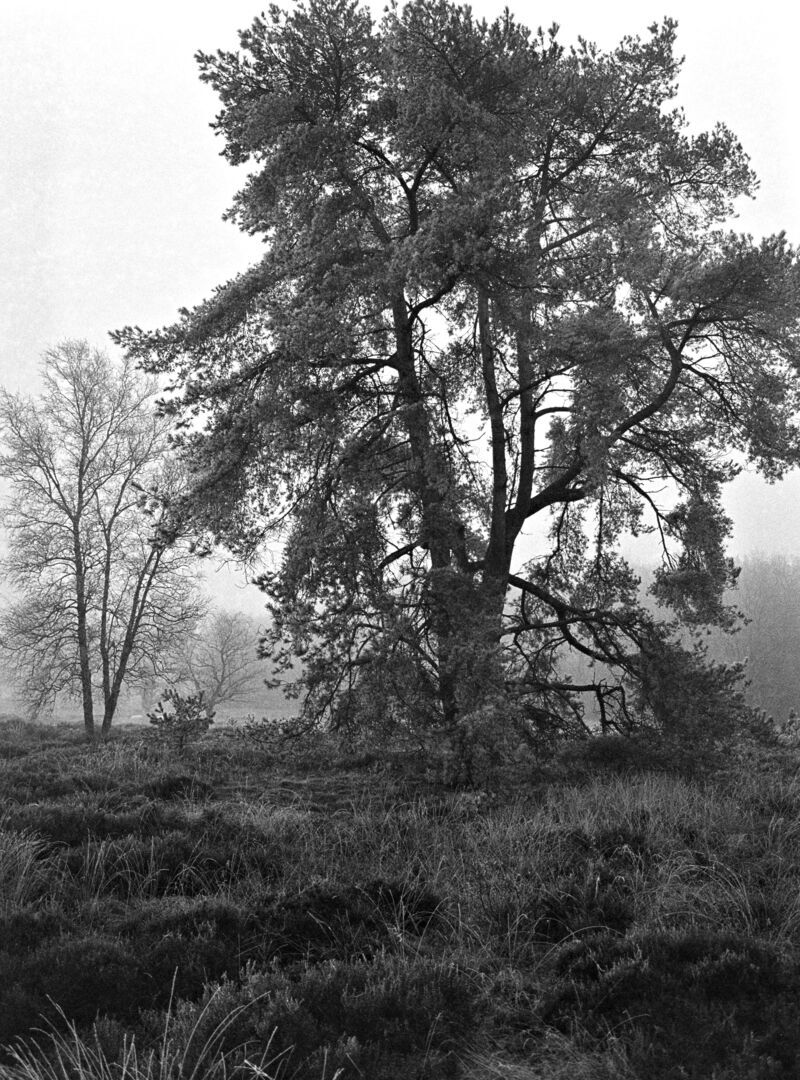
(228, 909)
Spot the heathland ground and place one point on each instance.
(241, 907)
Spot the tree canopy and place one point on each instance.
(498, 299)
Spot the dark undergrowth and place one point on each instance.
(236, 912)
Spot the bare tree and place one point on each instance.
(220, 658)
(102, 587)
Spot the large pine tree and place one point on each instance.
(496, 291)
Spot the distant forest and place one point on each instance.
(768, 593)
(767, 640)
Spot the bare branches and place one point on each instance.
(91, 573)
(220, 658)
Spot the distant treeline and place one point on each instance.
(766, 641)
(768, 594)
(768, 638)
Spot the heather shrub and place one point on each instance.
(34, 779)
(11, 751)
(164, 864)
(71, 825)
(384, 1019)
(132, 962)
(82, 976)
(326, 922)
(25, 929)
(697, 1000)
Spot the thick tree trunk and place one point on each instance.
(443, 533)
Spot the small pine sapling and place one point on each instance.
(180, 719)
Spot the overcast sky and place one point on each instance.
(112, 190)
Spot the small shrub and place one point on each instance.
(141, 960)
(323, 922)
(9, 751)
(180, 719)
(110, 1053)
(411, 906)
(185, 945)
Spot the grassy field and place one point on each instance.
(224, 911)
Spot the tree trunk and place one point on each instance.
(443, 533)
(138, 605)
(110, 708)
(83, 638)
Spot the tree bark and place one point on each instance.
(138, 604)
(442, 534)
(82, 633)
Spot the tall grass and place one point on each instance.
(62, 1053)
(26, 873)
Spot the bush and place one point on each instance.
(134, 962)
(591, 897)
(182, 720)
(383, 1021)
(185, 944)
(616, 755)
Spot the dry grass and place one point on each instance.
(26, 872)
(514, 881)
(66, 1054)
